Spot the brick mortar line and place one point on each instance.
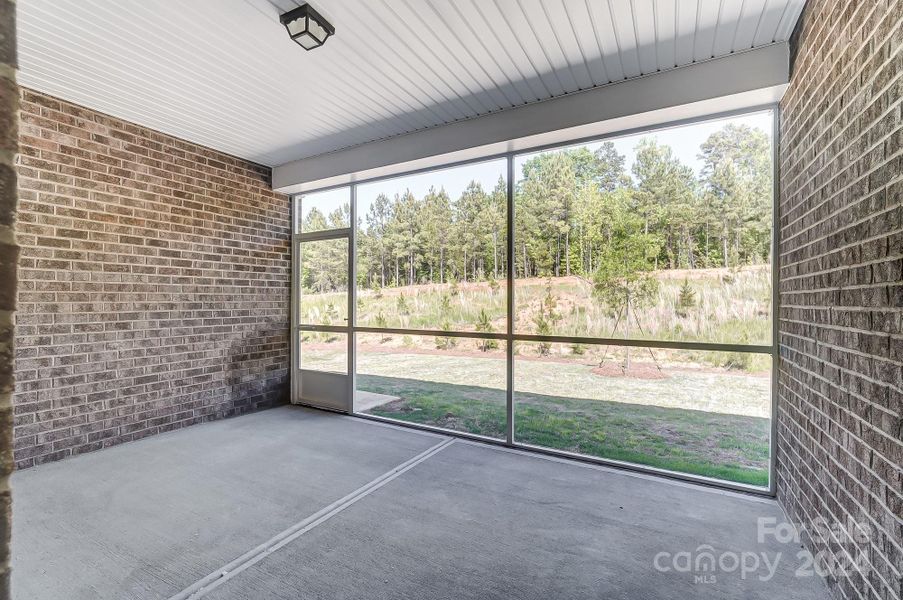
(107, 425)
(840, 288)
(196, 192)
(868, 263)
(224, 227)
(113, 190)
(832, 327)
(142, 420)
(64, 387)
(835, 307)
(66, 390)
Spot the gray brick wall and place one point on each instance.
(154, 283)
(840, 444)
(9, 100)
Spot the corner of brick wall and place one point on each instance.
(154, 283)
(9, 119)
(840, 396)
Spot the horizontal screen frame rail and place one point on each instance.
(554, 339)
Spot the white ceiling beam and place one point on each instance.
(741, 80)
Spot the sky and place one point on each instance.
(684, 141)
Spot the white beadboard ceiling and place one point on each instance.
(224, 73)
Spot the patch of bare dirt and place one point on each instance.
(637, 370)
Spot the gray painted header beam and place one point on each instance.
(743, 80)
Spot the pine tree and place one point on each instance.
(686, 298)
(445, 304)
(543, 327)
(484, 325)
(402, 305)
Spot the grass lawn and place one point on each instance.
(687, 422)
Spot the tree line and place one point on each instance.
(577, 212)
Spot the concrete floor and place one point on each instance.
(296, 503)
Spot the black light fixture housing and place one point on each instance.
(307, 27)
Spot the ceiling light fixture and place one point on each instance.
(307, 27)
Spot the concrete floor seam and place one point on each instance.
(203, 586)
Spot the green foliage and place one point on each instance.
(402, 305)
(583, 212)
(550, 302)
(445, 342)
(571, 205)
(545, 316)
(494, 285)
(686, 298)
(484, 325)
(737, 193)
(624, 279)
(331, 314)
(445, 304)
(382, 322)
(543, 327)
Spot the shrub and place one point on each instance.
(402, 305)
(494, 285)
(445, 304)
(453, 287)
(445, 342)
(330, 314)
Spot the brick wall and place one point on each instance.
(154, 283)
(9, 100)
(839, 448)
